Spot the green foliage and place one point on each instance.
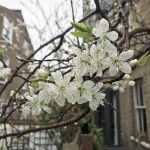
(144, 59)
(80, 34)
(36, 80)
(81, 27)
(82, 30)
(1, 55)
(97, 133)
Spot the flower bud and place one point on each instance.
(115, 88)
(42, 73)
(121, 89)
(131, 83)
(126, 76)
(133, 62)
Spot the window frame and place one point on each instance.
(139, 106)
(7, 25)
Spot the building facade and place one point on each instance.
(15, 42)
(135, 102)
(126, 122)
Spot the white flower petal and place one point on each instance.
(113, 35)
(111, 50)
(101, 53)
(115, 87)
(97, 87)
(103, 25)
(105, 63)
(47, 109)
(88, 84)
(121, 89)
(125, 67)
(87, 95)
(57, 77)
(36, 110)
(100, 96)
(67, 78)
(60, 100)
(94, 105)
(82, 100)
(126, 55)
(94, 31)
(131, 83)
(76, 50)
(52, 87)
(113, 70)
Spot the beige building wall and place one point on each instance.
(127, 110)
(20, 46)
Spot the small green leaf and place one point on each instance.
(143, 59)
(80, 34)
(36, 80)
(1, 55)
(81, 27)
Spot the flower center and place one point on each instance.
(104, 35)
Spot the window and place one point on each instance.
(7, 32)
(108, 118)
(139, 106)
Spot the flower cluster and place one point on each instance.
(94, 59)
(122, 84)
(61, 91)
(5, 72)
(103, 55)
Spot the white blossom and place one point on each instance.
(99, 61)
(119, 85)
(81, 61)
(118, 62)
(97, 97)
(60, 87)
(80, 91)
(101, 31)
(5, 73)
(122, 84)
(94, 59)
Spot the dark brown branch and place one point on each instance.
(99, 10)
(126, 25)
(42, 46)
(52, 126)
(132, 33)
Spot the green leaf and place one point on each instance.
(80, 34)
(36, 80)
(1, 55)
(143, 59)
(81, 27)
